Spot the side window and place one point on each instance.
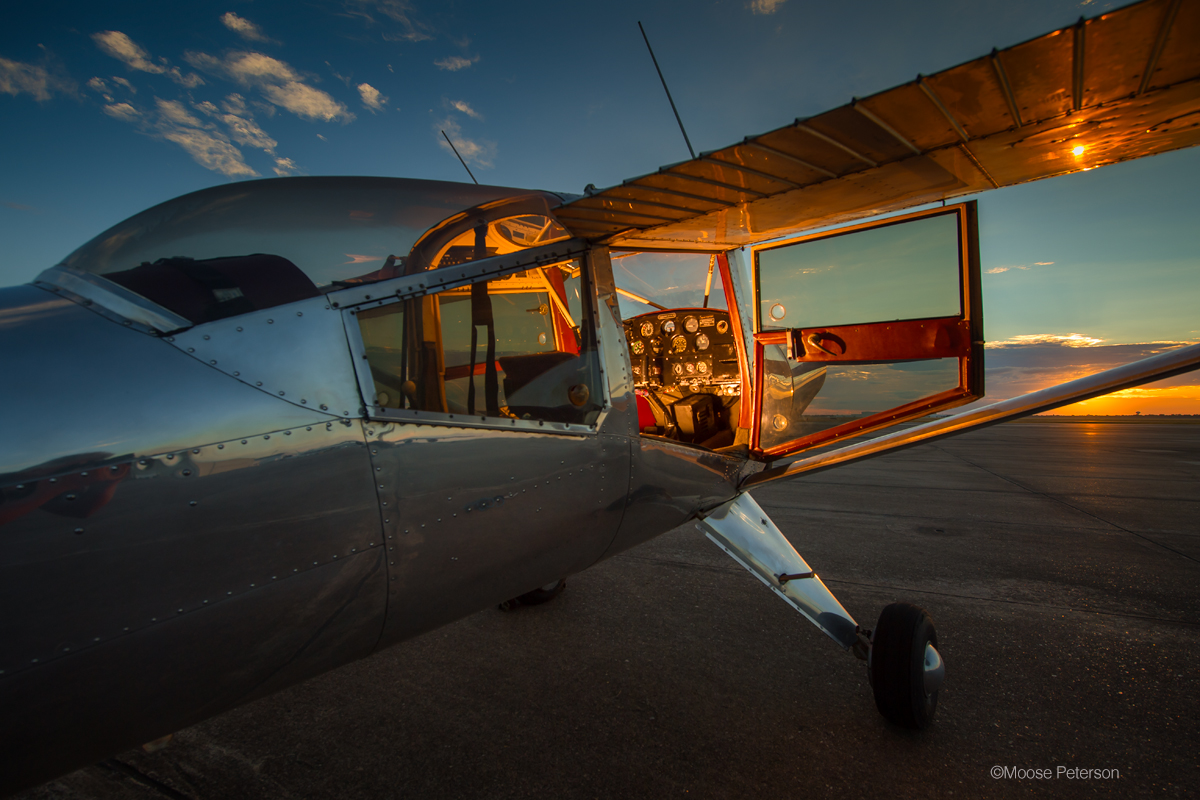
(513, 348)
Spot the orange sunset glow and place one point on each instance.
(1143, 399)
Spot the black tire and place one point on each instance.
(538, 596)
(897, 666)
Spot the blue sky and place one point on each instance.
(111, 108)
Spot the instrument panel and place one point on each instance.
(688, 348)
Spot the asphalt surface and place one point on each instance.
(1061, 563)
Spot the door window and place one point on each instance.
(512, 348)
(863, 328)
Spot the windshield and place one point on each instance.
(666, 280)
(332, 229)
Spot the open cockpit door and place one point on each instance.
(862, 328)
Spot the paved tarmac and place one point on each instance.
(1061, 563)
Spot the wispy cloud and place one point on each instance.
(1063, 339)
(478, 152)
(455, 63)
(240, 123)
(404, 26)
(245, 28)
(999, 270)
(212, 143)
(122, 48)
(461, 105)
(16, 206)
(276, 80)
(285, 166)
(1036, 361)
(207, 146)
(371, 97)
(765, 6)
(122, 111)
(17, 77)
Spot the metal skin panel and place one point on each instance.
(669, 483)
(143, 542)
(141, 686)
(744, 531)
(172, 542)
(473, 517)
(297, 352)
(81, 391)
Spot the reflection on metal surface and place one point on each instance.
(744, 531)
(297, 352)
(524, 510)
(198, 576)
(1174, 362)
(179, 513)
(934, 670)
(669, 483)
(147, 397)
(1134, 95)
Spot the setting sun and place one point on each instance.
(1078, 150)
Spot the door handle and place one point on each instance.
(814, 340)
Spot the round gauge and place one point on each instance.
(690, 368)
(668, 327)
(677, 368)
(679, 344)
(656, 345)
(638, 347)
(647, 329)
(722, 326)
(691, 324)
(702, 342)
(702, 367)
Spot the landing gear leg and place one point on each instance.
(535, 598)
(903, 663)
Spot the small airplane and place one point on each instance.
(267, 428)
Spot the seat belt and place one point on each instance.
(481, 314)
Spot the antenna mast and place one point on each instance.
(665, 89)
(460, 158)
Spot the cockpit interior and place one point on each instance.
(685, 356)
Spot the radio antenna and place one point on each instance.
(460, 158)
(665, 89)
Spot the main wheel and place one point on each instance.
(905, 667)
(538, 596)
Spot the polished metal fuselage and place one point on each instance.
(192, 521)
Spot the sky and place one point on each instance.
(110, 108)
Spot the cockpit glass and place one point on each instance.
(327, 229)
(667, 280)
(503, 236)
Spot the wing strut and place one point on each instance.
(1164, 365)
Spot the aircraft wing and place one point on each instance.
(1112, 88)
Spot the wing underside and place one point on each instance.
(1116, 87)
